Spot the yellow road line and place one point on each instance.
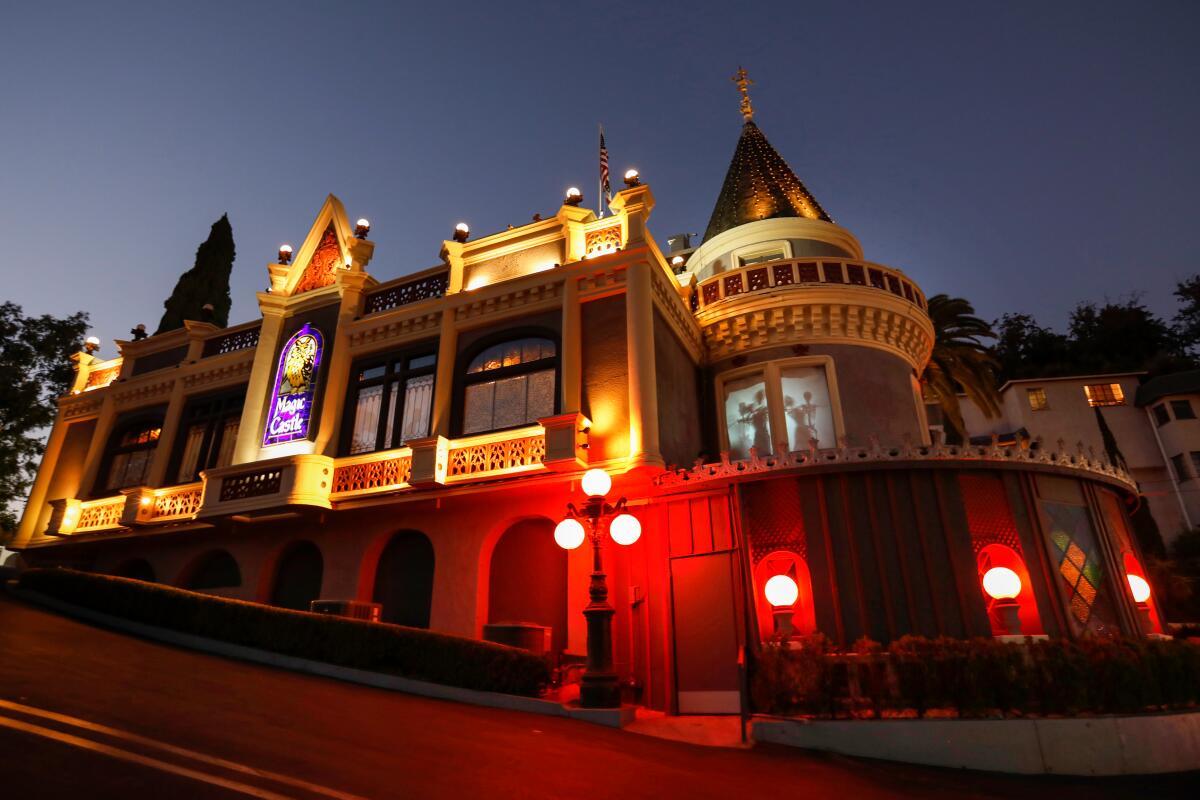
(146, 761)
(183, 752)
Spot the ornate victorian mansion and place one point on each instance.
(755, 401)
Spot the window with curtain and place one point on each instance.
(510, 384)
(778, 403)
(390, 401)
(207, 435)
(130, 452)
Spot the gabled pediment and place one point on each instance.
(327, 252)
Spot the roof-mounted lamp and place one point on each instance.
(285, 254)
(91, 344)
(461, 232)
(574, 196)
(362, 228)
(632, 178)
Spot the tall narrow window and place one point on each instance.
(130, 451)
(747, 419)
(806, 406)
(208, 434)
(510, 384)
(1161, 417)
(390, 401)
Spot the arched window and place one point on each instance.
(130, 451)
(510, 384)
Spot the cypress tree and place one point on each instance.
(206, 283)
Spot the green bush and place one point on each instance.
(977, 677)
(376, 647)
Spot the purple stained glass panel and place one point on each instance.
(291, 412)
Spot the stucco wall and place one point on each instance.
(874, 387)
(606, 377)
(68, 470)
(679, 421)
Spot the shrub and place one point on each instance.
(372, 646)
(978, 677)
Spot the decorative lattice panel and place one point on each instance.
(604, 240)
(497, 456)
(178, 503)
(989, 516)
(774, 519)
(104, 514)
(385, 473)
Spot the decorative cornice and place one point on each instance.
(1083, 460)
(676, 314)
(846, 315)
(545, 294)
(229, 372)
(392, 328)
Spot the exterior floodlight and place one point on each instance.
(631, 178)
(362, 228)
(349, 261)
(574, 196)
(781, 591)
(625, 529)
(569, 534)
(285, 254)
(461, 232)
(1001, 583)
(1139, 587)
(596, 483)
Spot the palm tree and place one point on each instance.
(960, 362)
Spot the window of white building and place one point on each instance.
(780, 403)
(1104, 394)
(1037, 399)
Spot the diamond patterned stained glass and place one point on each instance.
(1073, 547)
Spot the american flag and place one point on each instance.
(604, 185)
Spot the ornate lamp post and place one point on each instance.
(782, 593)
(599, 687)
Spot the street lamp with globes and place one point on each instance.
(599, 687)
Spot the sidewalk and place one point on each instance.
(714, 731)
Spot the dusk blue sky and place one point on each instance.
(1024, 155)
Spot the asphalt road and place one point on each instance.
(86, 712)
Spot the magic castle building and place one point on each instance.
(415, 443)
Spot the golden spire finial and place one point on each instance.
(744, 84)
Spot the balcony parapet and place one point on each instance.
(243, 337)
(299, 480)
(1084, 461)
(794, 273)
(372, 473)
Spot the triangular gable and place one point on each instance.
(323, 254)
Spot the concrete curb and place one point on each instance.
(1145, 744)
(615, 718)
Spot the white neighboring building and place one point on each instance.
(1153, 422)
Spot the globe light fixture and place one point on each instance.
(631, 178)
(461, 232)
(574, 196)
(599, 686)
(362, 228)
(91, 344)
(677, 261)
(1139, 587)
(625, 529)
(569, 534)
(1001, 583)
(595, 483)
(781, 590)
(285, 254)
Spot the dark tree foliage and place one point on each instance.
(1025, 349)
(206, 283)
(35, 360)
(1119, 337)
(960, 362)
(1187, 320)
(1114, 337)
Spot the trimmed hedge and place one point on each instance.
(373, 646)
(977, 677)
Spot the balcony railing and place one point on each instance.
(95, 515)
(786, 274)
(492, 455)
(232, 341)
(372, 473)
(173, 503)
(394, 295)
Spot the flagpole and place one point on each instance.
(600, 179)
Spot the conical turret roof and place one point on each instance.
(760, 185)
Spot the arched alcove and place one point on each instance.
(137, 568)
(216, 569)
(784, 562)
(527, 579)
(298, 574)
(404, 580)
